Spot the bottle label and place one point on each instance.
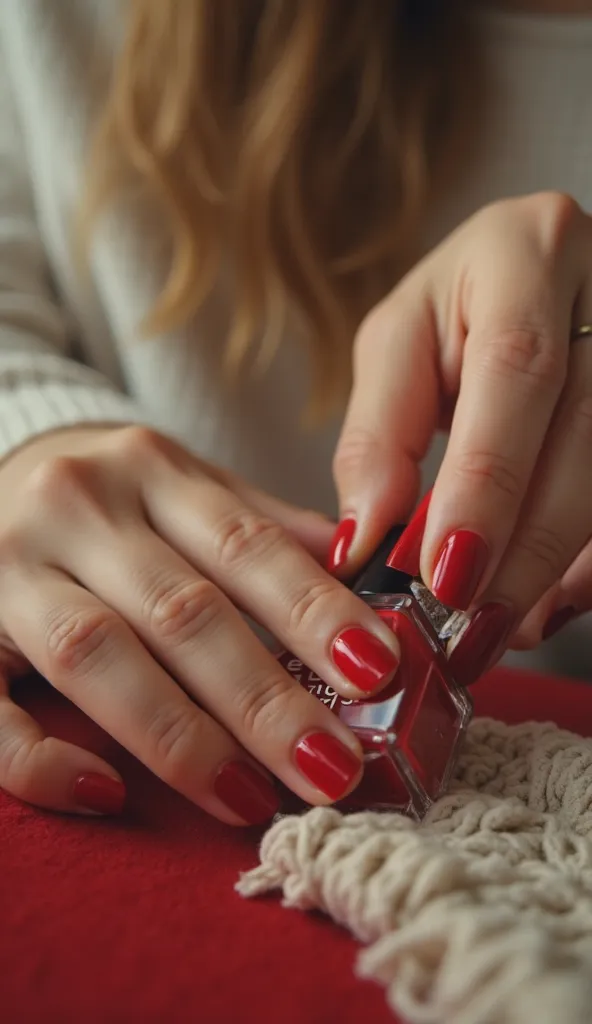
(311, 681)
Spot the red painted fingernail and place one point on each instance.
(99, 793)
(341, 543)
(406, 552)
(327, 763)
(483, 643)
(247, 792)
(558, 620)
(461, 563)
(363, 659)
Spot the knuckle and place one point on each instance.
(487, 468)
(79, 640)
(140, 442)
(16, 762)
(264, 704)
(58, 480)
(372, 327)
(175, 737)
(14, 548)
(357, 449)
(544, 546)
(24, 761)
(67, 486)
(376, 331)
(177, 612)
(139, 438)
(312, 606)
(559, 215)
(143, 448)
(524, 352)
(245, 535)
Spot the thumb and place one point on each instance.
(390, 421)
(49, 772)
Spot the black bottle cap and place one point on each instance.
(377, 577)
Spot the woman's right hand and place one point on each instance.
(123, 561)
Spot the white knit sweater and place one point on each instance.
(69, 348)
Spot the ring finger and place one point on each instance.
(88, 653)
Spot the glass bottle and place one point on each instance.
(412, 730)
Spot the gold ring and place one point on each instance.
(584, 331)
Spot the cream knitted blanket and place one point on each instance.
(481, 914)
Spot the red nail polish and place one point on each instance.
(247, 792)
(340, 545)
(363, 659)
(99, 793)
(461, 563)
(406, 551)
(482, 643)
(411, 731)
(558, 620)
(327, 763)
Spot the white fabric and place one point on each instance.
(483, 913)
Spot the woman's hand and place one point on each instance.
(477, 337)
(123, 561)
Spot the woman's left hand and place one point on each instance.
(477, 338)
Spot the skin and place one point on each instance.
(122, 562)
(477, 338)
(123, 558)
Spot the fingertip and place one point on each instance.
(407, 552)
(367, 661)
(99, 793)
(247, 792)
(48, 772)
(367, 517)
(340, 544)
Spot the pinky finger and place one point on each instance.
(51, 773)
(565, 601)
(574, 594)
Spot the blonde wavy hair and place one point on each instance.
(297, 139)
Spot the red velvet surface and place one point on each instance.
(137, 920)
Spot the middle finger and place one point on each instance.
(264, 571)
(556, 521)
(514, 369)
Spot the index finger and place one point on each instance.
(390, 421)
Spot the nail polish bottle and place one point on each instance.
(412, 730)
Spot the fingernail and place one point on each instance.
(341, 543)
(483, 643)
(327, 763)
(99, 793)
(558, 620)
(461, 563)
(363, 659)
(246, 792)
(406, 552)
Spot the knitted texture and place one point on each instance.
(480, 914)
